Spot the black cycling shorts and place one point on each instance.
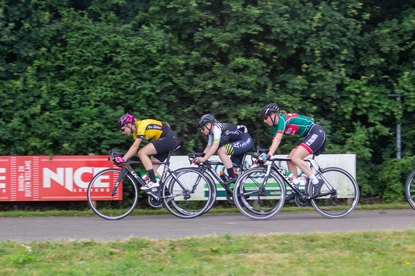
(238, 148)
(167, 142)
(315, 140)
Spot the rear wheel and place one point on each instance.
(258, 197)
(188, 193)
(339, 194)
(410, 189)
(111, 202)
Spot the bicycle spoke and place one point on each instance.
(338, 196)
(190, 193)
(258, 200)
(110, 202)
(410, 189)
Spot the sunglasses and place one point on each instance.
(266, 117)
(123, 128)
(202, 128)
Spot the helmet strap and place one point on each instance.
(130, 127)
(211, 126)
(273, 119)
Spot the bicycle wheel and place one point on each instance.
(410, 189)
(109, 202)
(339, 194)
(256, 199)
(188, 193)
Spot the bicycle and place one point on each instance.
(114, 193)
(207, 169)
(410, 189)
(263, 198)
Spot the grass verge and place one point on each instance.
(352, 253)
(214, 210)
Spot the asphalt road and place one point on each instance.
(170, 227)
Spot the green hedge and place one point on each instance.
(69, 69)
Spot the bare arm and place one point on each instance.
(275, 143)
(210, 150)
(133, 149)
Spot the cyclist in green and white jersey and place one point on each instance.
(314, 139)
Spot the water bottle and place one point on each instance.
(293, 179)
(303, 180)
(235, 171)
(145, 178)
(223, 176)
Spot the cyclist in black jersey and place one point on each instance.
(227, 139)
(314, 139)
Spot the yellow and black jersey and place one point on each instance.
(148, 129)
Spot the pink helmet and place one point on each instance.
(124, 120)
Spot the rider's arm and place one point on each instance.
(275, 143)
(133, 149)
(210, 150)
(207, 149)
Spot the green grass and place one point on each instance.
(352, 253)
(356, 253)
(214, 210)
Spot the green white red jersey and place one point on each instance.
(293, 124)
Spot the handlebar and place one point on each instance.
(192, 156)
(112, 154)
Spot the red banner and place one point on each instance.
(45, 178)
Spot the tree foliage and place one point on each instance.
(69, 69)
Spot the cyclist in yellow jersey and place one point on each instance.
(314, 139)
(164, 139)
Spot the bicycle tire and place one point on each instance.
(256, 201)
(185, 194)
(339, 195)
(410, 189)
(107, 206)
(213, 195)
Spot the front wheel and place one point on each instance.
(339, 194)
(257, 196)
(188, 193)
(112, 194)
(410, 189)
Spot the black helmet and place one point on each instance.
(207, 118)
(269, 108)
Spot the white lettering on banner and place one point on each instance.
(20, 178)
(28, 178)
(66, 177)
(2, 178)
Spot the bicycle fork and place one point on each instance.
(117, 183)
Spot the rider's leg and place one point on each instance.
(224, 157)
(297, 156)
(144, 154)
